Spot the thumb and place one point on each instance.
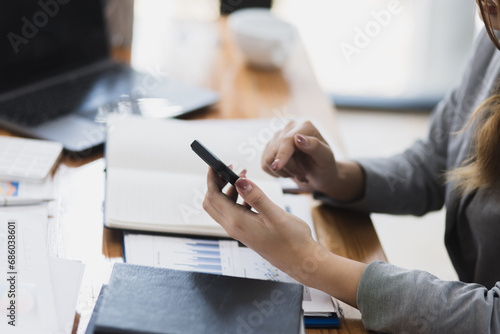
(255, 197)
(313, 147)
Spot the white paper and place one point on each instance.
(300, 206)
(66, 279)
(158, 198)
(164, 145)
(35, 308)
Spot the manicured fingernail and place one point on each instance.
(301, 140)
(243, 185)
(274, 165)
(230, 166)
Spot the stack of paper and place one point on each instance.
(38, 294)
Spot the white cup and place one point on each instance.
(264, 39)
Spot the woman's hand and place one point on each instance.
(276, 235)
(301, 153)
(281, 238)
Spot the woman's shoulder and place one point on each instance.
(483, 52)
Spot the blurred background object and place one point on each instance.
(229, 6)
(264, 39)
(384, 53)
(120, 18)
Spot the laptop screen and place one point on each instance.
(43, 38)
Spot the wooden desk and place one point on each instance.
(75, 228)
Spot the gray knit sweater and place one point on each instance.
(395, 300)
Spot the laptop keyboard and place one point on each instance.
(58, 100)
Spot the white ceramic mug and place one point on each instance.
(264, 39)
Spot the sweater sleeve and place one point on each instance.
(411, 182)
(396, 300)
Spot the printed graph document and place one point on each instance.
(155, 182)
(223, 257)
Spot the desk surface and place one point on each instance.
(75, 229)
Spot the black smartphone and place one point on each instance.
(211, 159)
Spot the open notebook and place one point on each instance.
(155, 182)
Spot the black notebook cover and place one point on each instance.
(141, 299)
(91, 326)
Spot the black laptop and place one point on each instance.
(57, 80)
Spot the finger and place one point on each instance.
(219, 218)
(284, 153)
(220, 207)
(231, 192)
(214, 182)
(279, 173)
(220, 201)
(256, 198)
(221, 182)
(213, 195)
(294, 167)
(287, 171)
(287, 146)
(318, 150)
(269, 156)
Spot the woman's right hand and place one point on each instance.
(301, 153)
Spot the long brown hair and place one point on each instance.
(482, 168)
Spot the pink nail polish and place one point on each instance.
(243, 185)
(274, 165)
(301, 140)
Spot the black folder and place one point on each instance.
(140, 299)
